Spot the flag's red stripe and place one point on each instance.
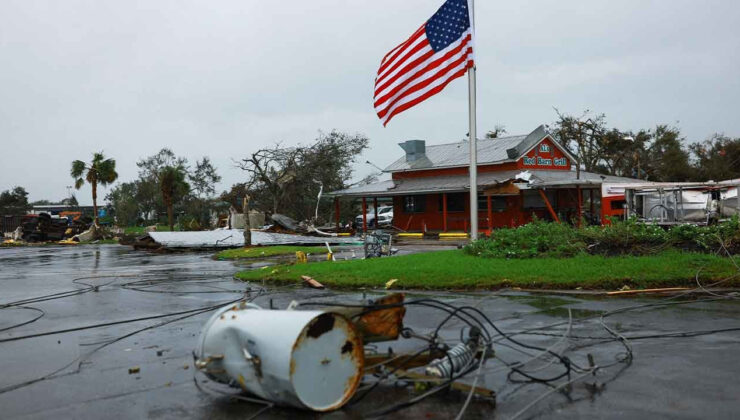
(419, 73)
(427, 82)
(426, 96)
(408, 53)
(404, 71)
(400, 48)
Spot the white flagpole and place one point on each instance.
(473, 142)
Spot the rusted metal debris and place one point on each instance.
(383, 324)
(283, 355)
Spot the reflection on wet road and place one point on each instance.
(82, 317)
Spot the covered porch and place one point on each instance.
(506, 199)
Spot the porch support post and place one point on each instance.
(490, 215)
(549, 206)
(580, 205)
(444, 212)
(336, 212)
(364, 214)
(375, 211)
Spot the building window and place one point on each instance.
(533, 200)
(455, 202)
(618, 204)
(414, 203)
(482, 203)
(498, 203)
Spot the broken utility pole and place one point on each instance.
(247, 227)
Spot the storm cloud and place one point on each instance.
(224, 78)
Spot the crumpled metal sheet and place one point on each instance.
(232, 238)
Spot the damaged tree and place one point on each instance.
(287, 179)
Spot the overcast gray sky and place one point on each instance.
(223, 78)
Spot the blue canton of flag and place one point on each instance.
(448, 24)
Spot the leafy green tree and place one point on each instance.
(204, 178)
(99, 171)
(717, 158)
(14, 202)
(42, 203)
(70, 201)
(122, 199)
(148, 194)
(174, 187)
(666, 158)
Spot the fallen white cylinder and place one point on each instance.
(306, 359)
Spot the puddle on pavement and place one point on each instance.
(552, 305)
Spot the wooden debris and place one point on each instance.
(463, 387)
(312, 283)
(637, 291)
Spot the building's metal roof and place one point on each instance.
(232, 238)
(460, 183)
(456, 154)
(490, 151)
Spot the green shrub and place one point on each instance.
(537, 238)
(544, 239)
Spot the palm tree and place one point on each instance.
(99, 171)
(173, 186)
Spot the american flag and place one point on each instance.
(440, 51)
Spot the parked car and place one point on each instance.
(385, 217)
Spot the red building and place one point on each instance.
(518, 177)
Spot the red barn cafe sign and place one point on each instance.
(545, 154)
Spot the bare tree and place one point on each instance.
(271, 169)
(583, 136)
(288, 179)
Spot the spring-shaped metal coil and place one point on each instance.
(457, 358)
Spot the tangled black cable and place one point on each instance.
(79, 360)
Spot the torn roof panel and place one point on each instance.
(233, 238)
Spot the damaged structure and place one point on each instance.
(670, 203)
(317, 359)
(518, 177)
(229, 238)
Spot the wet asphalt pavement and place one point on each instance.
(85, 373)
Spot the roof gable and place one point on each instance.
(490, 151)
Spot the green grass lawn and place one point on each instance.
(268, 251)
(456, 270)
